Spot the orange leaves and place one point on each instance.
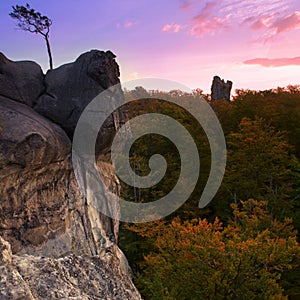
(243, 260)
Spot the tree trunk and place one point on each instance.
(49, 52)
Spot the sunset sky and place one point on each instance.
(254, 43)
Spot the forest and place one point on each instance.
(244, 244)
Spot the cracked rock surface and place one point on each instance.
(69, 277)
(54, 243)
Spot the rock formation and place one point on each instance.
(71, 87)
(21, 81)
(54, 244)
(69, 277)
(220, 90)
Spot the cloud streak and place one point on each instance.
(126, 24)
(186, 4)
(275, 23)
(172, 28)
(269, 17)
(206, 21)
(287, 23)
(274, 62)
(245, 9)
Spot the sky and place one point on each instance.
(254, 43)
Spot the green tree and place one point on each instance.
(259, 163)
(32, 21)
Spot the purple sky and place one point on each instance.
(254, 43)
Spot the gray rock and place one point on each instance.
(71, 87)
(28, 140)
(71, 277)
(44, 214)
(21, 81)
(12, 285)
(220, 90)
(5, 252)
(43, 211)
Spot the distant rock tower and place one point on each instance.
(220, 90)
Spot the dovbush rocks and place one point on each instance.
(72, 86)
(220, 90)
(20, 81)
(54, 242)
(31, 277)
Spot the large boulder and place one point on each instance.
(21, 81)
(34, 177)
(43, 211)
(28, 140)
(71, 87)
(220, 90)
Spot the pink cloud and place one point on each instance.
(278, 25)
(128, 24)
(202, 27)
(288, 23)
(186, 4)
(207, 10)
(206, 22)
(263, 22)
(172, 27)
(274, 62)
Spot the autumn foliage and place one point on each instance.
(197, 259)
(244, 244)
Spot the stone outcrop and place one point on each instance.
(55, 244)
(220, 90)
(69, 277)
(21, 81)
(71, 87)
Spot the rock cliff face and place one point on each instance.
(220, 89)
(53, 243)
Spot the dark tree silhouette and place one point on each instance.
(32, 21)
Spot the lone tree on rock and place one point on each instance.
(32, 21)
